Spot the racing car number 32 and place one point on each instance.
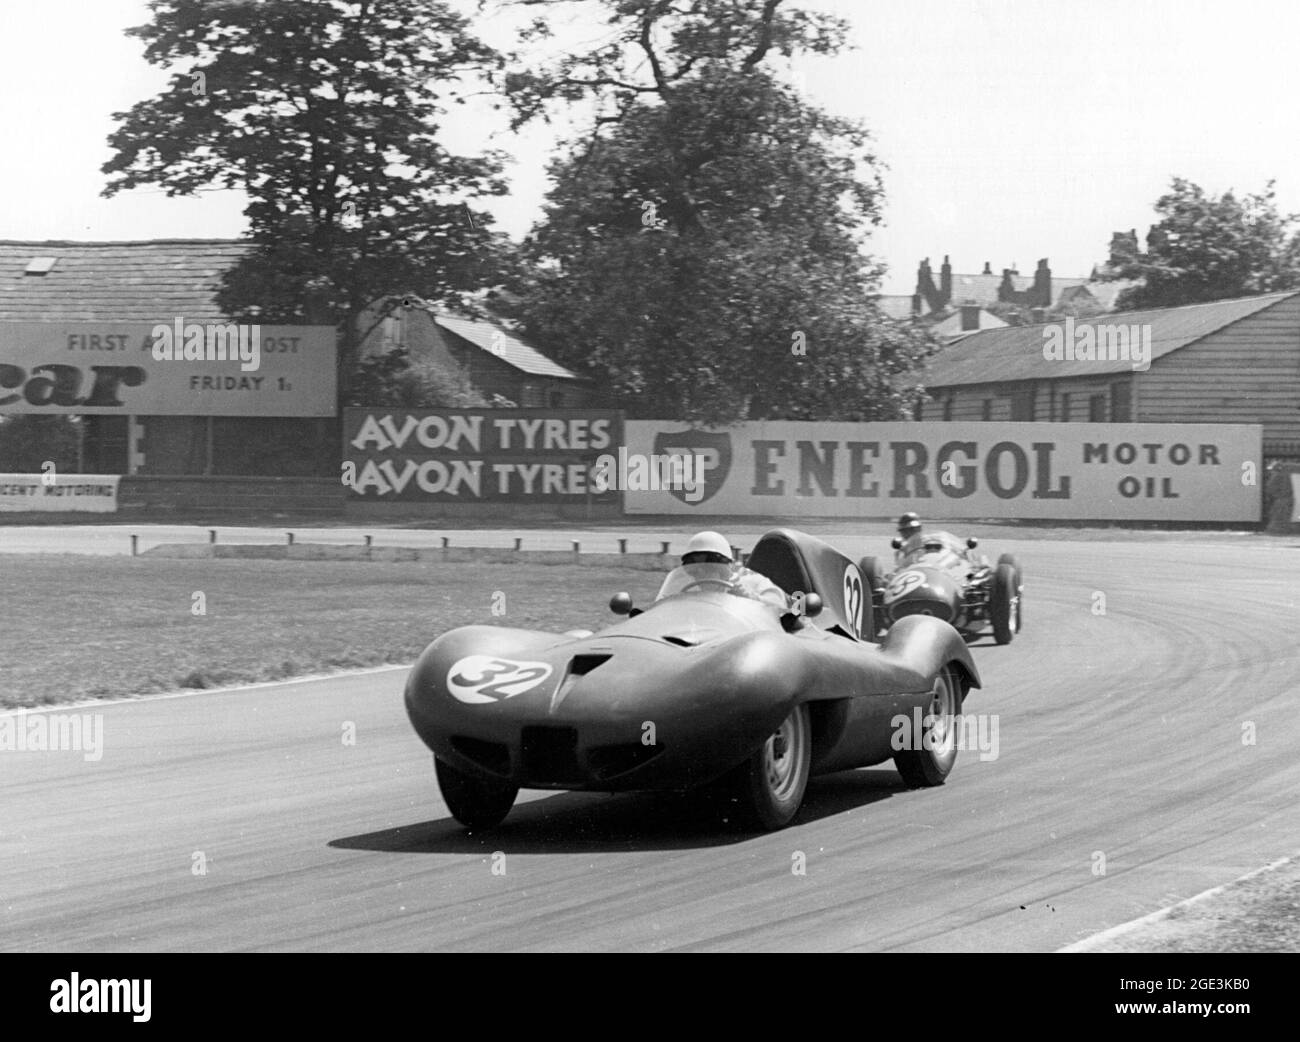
(482, 678)
(853, 598)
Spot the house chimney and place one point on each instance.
(970, 317)
(1042, 285)
(987, 269)
(1123, 247)
(945, 281)
(926, 288)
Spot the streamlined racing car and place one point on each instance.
(708, 686)
(940, 576)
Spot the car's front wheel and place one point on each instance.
(477, 803)
(1004, 607)
(931, 754)
(768, 788)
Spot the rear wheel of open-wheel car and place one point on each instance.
(768, 788)
(933, 752)
(477, 803)
(1004, 607)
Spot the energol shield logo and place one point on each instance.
(714, 451)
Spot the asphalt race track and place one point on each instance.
(1119, 734)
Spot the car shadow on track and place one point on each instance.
(583, 822)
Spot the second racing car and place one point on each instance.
(939, 575)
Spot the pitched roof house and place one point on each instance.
(1228, 361)
(494, 360)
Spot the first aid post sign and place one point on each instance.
(113, 368)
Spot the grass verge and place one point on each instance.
(79, 627)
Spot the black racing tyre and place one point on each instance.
(1020, 589)
(1004, 603)
(477, 803)
(932, 754)
(767, 789)
(874, 578)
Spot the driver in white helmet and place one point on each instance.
(708, 558)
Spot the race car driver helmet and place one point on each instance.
(707, 548)
(909, 524)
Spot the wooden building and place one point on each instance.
(1229, 361)
(486, 355)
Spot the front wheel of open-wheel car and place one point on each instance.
(930, 757)
(477, 803)
(1004, 605)
(767, 789)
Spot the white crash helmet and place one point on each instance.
(713, 543)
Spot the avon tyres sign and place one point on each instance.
(173, 367)
(62, 493)
(1121, 472)
(472, 455)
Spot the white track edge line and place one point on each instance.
(1164, 913)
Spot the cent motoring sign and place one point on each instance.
(39, 493)
(1100, 471)
(170, 368)
(471, 455)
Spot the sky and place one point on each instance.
(1010, 130)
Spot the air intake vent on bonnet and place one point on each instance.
(584, 664)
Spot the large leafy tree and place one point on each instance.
(326, 113)
(703, 249)
(1208, 247)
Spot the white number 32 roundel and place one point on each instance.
(483, 678)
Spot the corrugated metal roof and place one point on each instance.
(1016, 353)
(115, 281)
(509, 348)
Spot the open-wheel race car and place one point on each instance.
(710, 686)
(943, 577)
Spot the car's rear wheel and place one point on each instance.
(933, 752)
(1004, 608)
(477, 803)
(767, 789)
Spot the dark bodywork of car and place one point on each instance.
(708, 675)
